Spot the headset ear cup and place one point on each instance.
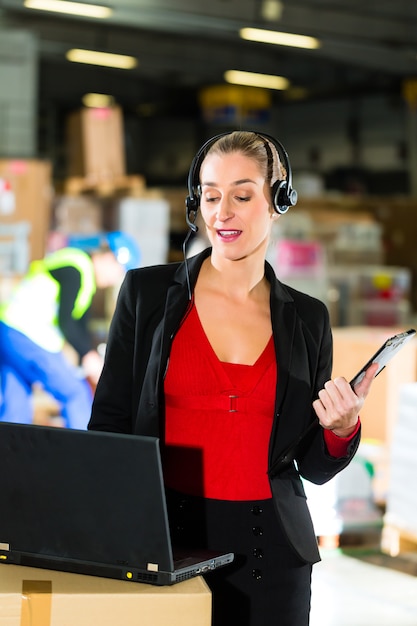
(192, 204)
(283, 198)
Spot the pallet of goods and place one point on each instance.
(399, 533)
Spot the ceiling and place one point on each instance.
(183, 45)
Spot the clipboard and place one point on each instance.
(384, 354)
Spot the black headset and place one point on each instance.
(282, 193)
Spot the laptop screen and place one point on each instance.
(88, 496)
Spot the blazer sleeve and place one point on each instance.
(112, 408)
(313, 459)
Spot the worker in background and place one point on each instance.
(49, 308)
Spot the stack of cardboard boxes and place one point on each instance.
(37, 597)
(25, 198)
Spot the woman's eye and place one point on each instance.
(243, 198)
(210, 199)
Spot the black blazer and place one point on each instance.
(129, 396)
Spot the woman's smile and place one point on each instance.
(228, 235)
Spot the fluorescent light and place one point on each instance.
(92, 57)
(72, 8)
(97, 100)
(279, 39)
(267, 81)
(272, 10)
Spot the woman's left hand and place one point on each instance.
(338, 405)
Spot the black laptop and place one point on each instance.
(89, 503)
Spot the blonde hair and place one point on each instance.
(254, 146)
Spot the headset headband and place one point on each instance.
(282, 193)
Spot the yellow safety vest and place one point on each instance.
(33, 306)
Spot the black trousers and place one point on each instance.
(267, 584)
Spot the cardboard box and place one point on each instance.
(78, 214)
(353, 347)
(26, 184)
(148, 221)
(95, 143)
(38, 597)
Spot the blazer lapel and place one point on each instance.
(292, 421)
(178, 301)
(148, 420)
(284, 317)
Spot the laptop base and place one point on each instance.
(184, 571)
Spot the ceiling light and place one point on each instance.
(106, 59)
(71, 8)
(271, 10)
(97, 100)
(267, 81)
(279, 39)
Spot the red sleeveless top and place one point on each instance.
(218, 419)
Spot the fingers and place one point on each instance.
(337, 405)
(362, 389)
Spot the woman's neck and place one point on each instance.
(238, 280)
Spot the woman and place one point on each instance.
(230, 368)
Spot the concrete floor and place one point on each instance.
(348, 591)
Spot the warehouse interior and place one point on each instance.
(86, 149)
